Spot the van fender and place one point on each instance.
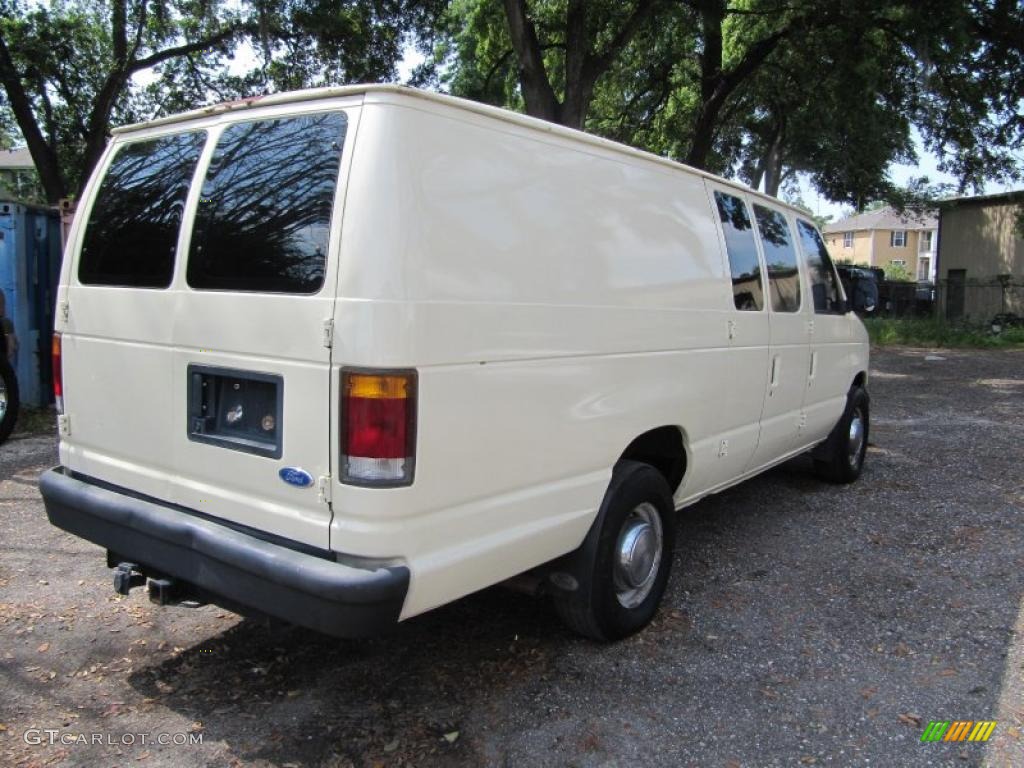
(569, 572)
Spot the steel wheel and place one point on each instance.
(855, 439)
(638, 555)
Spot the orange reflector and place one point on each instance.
(374, 387)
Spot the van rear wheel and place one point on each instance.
(840, 458)
(622, 568)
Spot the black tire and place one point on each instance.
(8, 396)
(595, 608)
(839, 459)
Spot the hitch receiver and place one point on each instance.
(126, 577)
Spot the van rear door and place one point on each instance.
(196, 349)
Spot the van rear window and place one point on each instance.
(132, 232)
(265, 208)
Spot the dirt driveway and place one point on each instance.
(805, 624)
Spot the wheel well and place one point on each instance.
(860, 379)
(663, 449)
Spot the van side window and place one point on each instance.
(824, 284)
(132, 232)
(747, 291)
(780, 259)
(264, 212)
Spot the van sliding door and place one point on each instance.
(782, 424)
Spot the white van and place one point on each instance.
(342, 356)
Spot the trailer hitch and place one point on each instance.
(126, 577)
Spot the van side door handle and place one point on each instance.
(776, 370)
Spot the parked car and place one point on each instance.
(343, 356)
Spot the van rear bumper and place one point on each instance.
(231, 566)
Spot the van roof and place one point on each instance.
(388, 92)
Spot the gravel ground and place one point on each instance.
(804, 624)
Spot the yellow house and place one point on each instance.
(885, 239)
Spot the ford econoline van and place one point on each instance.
(341, 356)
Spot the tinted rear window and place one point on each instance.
(265, 208)
(132, 232)
(780, 259)
(739, 244)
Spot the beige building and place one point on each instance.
(884, 238)
(981, 256)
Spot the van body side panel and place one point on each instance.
(557, 301)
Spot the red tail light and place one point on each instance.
(58, 375)
(378, 428)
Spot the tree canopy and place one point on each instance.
(761, 90)
(69, 68)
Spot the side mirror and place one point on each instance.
(865, 296)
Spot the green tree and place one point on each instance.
(66, 69)
(897, 272)
(760, 88)
(69, 68)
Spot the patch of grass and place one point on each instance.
(931, 332)
(35, 421)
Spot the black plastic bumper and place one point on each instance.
(241, 569)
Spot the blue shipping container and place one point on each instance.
(30, 253)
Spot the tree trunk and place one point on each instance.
(533, 77)
(43, 155)
(712, 16)
(773, 163)
(583, 64)
(717, 84)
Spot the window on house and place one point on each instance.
(926, 241)
(924, 268)
(898, 262)
(747, 292)
(898, 238)
(847, 239)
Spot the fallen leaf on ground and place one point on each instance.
(451, 737)
(43, 648)
(910, 719)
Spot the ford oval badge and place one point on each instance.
(300, 478)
